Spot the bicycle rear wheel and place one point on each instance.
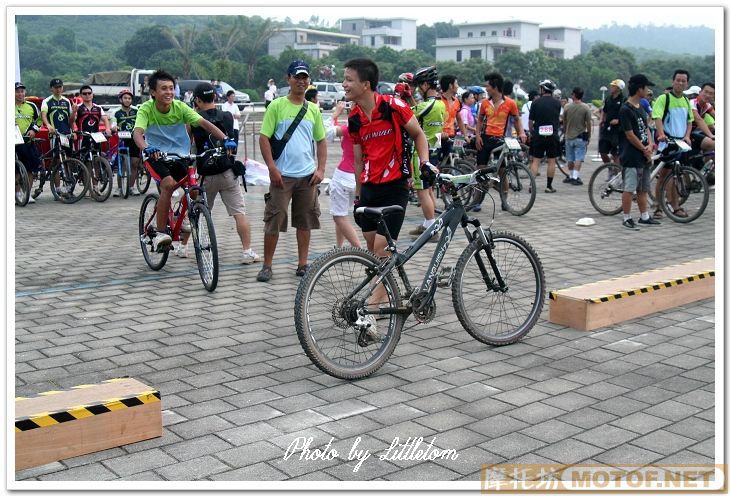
(605, 189)
(143, 177)
(147, 223)
(519, 194)
(73, 179)
(206, 246)
(22, 184)
(101, 178)
(326, 318)
(691, 191)
(494, 316)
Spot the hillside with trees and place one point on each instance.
(234, 49)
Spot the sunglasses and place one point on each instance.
(86, 93)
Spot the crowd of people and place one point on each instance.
(390, 143)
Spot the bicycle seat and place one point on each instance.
(379, 211)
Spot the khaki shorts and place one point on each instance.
(229, 189)
(304, 200)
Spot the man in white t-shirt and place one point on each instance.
(525, 115)
(230, 106)
(270, 94)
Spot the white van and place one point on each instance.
(329, 93)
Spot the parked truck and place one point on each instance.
(107, 85)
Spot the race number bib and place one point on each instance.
(512, 144)
(98, 137)
(545, 130)
(64, 139)
(18, 136)
(125, 134)
(683, 145)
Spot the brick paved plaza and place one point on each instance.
(237, 388)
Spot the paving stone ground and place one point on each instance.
(237, 388)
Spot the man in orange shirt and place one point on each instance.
(449, 87)
(492, 121)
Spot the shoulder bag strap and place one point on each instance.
(294, 124)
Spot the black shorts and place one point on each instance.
(489, 143)
(541, 146)
(383, 195)
(160, 169)
(608, 142)
(696, 138)
(133, 148)
(28, 155)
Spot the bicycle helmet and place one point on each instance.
(426, 75)
(477, 90)
(125, 91)
(547, 85)
(406, 77)
(557, 93)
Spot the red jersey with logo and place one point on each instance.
(382, 139)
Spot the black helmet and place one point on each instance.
(426, 75)
(204, 91)
(547, 85)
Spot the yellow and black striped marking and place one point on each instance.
(47, 419)
(643, 289)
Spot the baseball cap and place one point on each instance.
(693, 90)
(19, 85)
(203, 89)
(619, 83)
(298, 67)
(640, 80)
(55, 82)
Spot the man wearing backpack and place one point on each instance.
(292, 169)
(217, 174)
(672, 114)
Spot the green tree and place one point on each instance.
(253, 45)
(426, 35)
(183, 43)
(64, 38)
(143, 44)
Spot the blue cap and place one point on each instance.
(476, 89)
(298, 67)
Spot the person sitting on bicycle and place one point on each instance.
(123, 120)
(703, 134)
(492, 122)
(217, 173)
(26, 119)
(161, 127)
(431, 115)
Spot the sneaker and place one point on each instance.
(578, 181)
(181, 250)
(370, 335)
(62, 189)
(31, 200)
(135, 190)
(505, 206)
(185, 227)
(161, 241)
(550, 189)
(435, 237)
(264, 274)
(649, 222)
(417, 231)
(568, 180)
(19, 196)
(249, 256)
(629, 224)
(117, 192)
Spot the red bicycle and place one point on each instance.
(201, 223)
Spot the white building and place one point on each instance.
(316, 44)
(489, 40)
(398, 33)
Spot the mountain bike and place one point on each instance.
(121, 163)
(193, 202)
(517, 188)
(497, 289)
(22, 184)
(100, 171)
(606, 185)
(68, 176)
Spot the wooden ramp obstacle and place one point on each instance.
(56, 425)
(603, 303)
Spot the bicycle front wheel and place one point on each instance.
(101, 179)
(605, 189)
(147, 223)
(326, 315)
(518, 189)
(683, 196)
(206, 246)
(492, 314)
(125, 173)
(22, 184)
(143, 178)
(73, 177)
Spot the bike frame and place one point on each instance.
(448, 221)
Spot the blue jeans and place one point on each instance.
(575, 150)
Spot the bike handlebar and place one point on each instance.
(188, 157)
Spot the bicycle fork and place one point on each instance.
(496, 283)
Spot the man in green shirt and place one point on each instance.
(26, 119)
(161, 127)
(431, 115)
